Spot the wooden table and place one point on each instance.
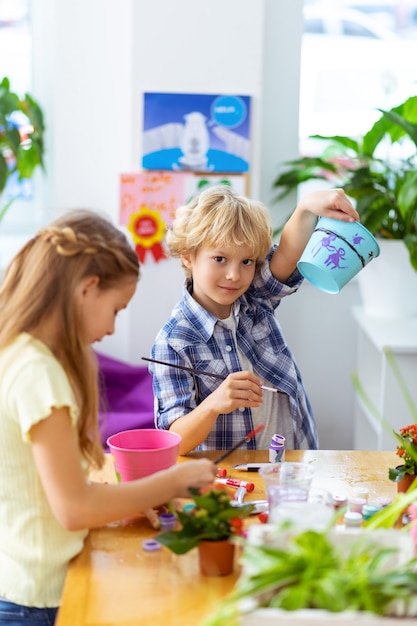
(114, 582)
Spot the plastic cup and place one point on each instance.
(316, 512)
(141, 452)
(335, 253)
(286, 482)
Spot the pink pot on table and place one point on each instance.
(143, 451)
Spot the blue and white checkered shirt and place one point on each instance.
(195, 338)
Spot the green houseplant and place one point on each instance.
(213, 517)
(210, 524)
(371, 171)
(407, 437)
(311, 571)
(21, 152)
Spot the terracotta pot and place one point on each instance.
(404, 483)
(216, 558)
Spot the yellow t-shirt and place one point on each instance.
(34, 548)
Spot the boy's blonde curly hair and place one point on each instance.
(218, 217)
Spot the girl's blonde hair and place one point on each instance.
(42, 281)
(218, 217)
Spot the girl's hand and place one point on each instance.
(192, 474)
(153, 517)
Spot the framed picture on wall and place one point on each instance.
(195, 184)
(196, 132)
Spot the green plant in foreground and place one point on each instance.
(312, 572)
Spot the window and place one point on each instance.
(15, 44)
(16, 64)
(356, 57)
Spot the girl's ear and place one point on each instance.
(87, 284)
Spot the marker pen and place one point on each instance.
(234, 482)
(250, 467)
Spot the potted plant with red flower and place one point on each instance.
(211, 524)
(405, 474)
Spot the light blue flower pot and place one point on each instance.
(335, 253)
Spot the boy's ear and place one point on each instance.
(186, 260)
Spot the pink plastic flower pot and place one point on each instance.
(141, 452)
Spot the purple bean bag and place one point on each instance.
(126, 397)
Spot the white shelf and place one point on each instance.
(377, 335)
(398, 334)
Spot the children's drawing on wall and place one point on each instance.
(196, 132)
(148, 201)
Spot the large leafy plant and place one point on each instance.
(378, 170)
(313, 572)
(21, 152)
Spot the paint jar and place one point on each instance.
(383, 501)
(339, 501)
(368, 510)
(167, 521)
(352, 519)
(356, 504)
(277, 449)
(361, 492)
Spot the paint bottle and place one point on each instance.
(361, 492)
(356, 504)
(277, 449)
(352, 519)
(368, 510)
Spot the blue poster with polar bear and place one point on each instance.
(196, 132)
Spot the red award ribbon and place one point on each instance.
(148, 231)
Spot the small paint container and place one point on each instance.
(277, 449)
(361, 492)
(383, 501)
(368, 510)
(167, 521)
(150, 545)
(188, 507)
(356, 504)
(352, 519)
(339, 501)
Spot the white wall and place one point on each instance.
(95, 59)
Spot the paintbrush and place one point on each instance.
(199, 372)
(245, 439)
